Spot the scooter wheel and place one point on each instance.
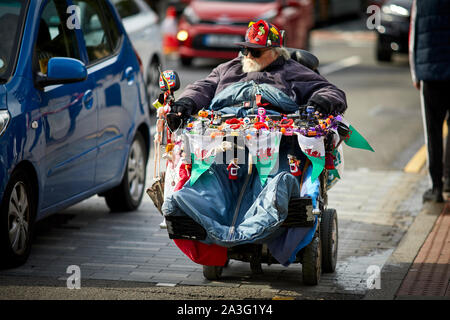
(329, 237)
(212, 272)
(312, 262)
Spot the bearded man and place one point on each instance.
(263, 60)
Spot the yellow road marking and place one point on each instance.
(418, 160)
(283, 298)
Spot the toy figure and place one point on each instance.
(261, 114)
(169, 155)
(247, 121)
(217, 119)
(203, 114)
(294, 165)
(233, 169)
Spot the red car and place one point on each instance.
(210, 29)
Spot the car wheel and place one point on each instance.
(384, 53)
(128, 195)
(18, 211)
(186, 61)
(152, 83)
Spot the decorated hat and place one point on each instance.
(261, 35)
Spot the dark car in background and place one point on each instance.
(393, 31)
(210, 29)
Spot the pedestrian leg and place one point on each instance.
(434, 115)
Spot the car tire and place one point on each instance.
(383, 53)
(152, 84)
(18, 212)
(329, 238)
(127, 196)
(186, 61)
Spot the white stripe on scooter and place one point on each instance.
(339, 65)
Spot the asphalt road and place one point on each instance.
(127, 256)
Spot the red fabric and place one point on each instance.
(208, 255)
(185, 174)
(205, 254)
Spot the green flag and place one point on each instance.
(199, 167)
(354, 139)
(203, 153)
(264, 148)
(265, 164)
(318, 164)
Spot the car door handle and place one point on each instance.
(129, 75)
(88, 99)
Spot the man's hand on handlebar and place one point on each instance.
(324, 105)
(181, 110)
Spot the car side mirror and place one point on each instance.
(63, 70)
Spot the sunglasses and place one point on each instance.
(256, 53)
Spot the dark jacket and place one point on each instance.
(301, 84)
(430, 40)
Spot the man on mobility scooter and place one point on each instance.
(263, 59)
(263, 106)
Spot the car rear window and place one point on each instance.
(11, 22)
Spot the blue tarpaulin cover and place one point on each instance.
(249, 209)
(213, 199)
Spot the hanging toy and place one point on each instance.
(169, 154)
(233, 169)
(294, 165)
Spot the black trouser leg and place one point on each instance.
(435, 109)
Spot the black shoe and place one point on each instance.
(434, 195)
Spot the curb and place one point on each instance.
(399, 263)
(397, 266)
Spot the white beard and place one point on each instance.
(249, 65)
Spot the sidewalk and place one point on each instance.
(419, 268)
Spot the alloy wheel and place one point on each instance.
(136, 171)
(18, 218)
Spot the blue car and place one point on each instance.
(74, 118)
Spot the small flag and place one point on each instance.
(354, 139)
(314, 149)
(203, 153)
(264, 149)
